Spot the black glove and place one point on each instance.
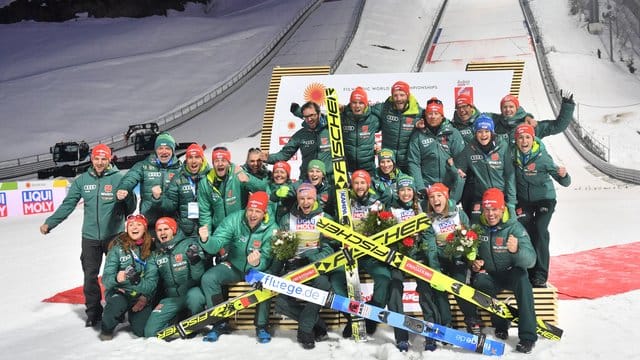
(295, 263)
(220, 257)
(132, 275)
(193, 254)
(567, 97)
(294, 108)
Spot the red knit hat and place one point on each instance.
(284, 166)
(101, 150)
(493, 198)
(363, 174)
(195, 149)
(221, 154)
(258, 200)
(400, 86)
(170, 222)
(434, 105)
(139, 218)
(438, 187)
(359, 94)
(525, 129)
(513, 99)
(464, 99)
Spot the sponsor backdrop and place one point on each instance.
(31, 197)
(485, 87)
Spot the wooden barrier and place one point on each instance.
(546, 305)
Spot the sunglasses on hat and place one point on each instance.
(136, 217)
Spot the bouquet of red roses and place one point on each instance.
(406, 245)
(462, 242)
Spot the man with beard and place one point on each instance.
(181, 198)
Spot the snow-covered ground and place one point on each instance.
(52, 80)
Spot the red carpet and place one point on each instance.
(71, 296)
(596, 273)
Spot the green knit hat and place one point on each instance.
(317, 164)
(167, 140)
(406, 181)
(386, 154)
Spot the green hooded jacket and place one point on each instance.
(182, 190)
(492, 169)
(176, 273)
(312, 143)
(534, 172)
(465, 127)
(118, 259)
(428, 155)
(103, 214)
(218, 197)
(149, 173)
(235, 236)
(359, 133)
(396, 127)
(493, 245)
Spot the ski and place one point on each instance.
(479, 344)
(251, 298)
(423, 272)
(341, 183)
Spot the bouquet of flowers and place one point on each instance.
(284, 244)
(375, 222)
(406, 245)
(462, 242)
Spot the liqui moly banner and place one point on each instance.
(31, 197)
(485, 88)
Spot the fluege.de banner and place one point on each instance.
(486, 88)
(21, 198)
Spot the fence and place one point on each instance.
(31, 164)
(588, 146)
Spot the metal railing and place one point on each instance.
(16, 167)
(584, 143)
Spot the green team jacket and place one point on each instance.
(389, 180)
(493, 246)
(506, 127)
(359, 133)
(264, 174)
(465, 128)
(281, 196)
(182, 190)
(149, 173)
(444, 224)
(177, 275)
(428, 155)
(235, 236)
(396, 127)
(493, 169)
(218, 197)
(313, 144)
(534, 172)
(103, 214)
(326, 195)
(118, 259)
